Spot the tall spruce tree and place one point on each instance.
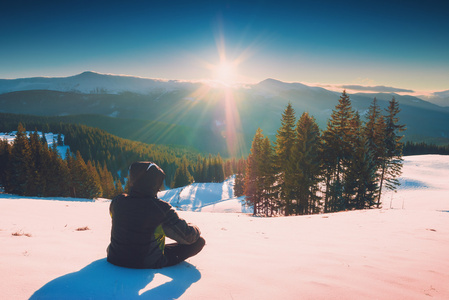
(360, 181)
(391, 167)
(253, 186)
(337, 152)
(266, 170)
(285, 139)
(37, 183)
(19, 164)
(57, 174)
(307, 165)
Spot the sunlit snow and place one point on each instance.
(397, 252)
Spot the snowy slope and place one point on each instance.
(391, 253)
(208, 197)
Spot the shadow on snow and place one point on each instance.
(102, 280)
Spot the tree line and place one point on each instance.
(97, 165)
(29, 167)
(307, 171)
(411, 148)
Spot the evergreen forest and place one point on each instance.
(96, 166)
(307, 171)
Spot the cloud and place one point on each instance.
(379, 88)
(442, 94)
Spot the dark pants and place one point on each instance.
(176, 253)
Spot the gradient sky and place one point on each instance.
(400, 44)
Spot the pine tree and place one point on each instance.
(285, 139)
(182, 175)
(239, 183)
(392, 161)
(5, 153)
(198, 169)
(337, 152)
(218, 169)
(57, 174)
(374, 130)
(37, 183)
(306, 165)
(107, 183)
(267, 177)
(93, 183)
(253, 186)
(19, 164)
(205, 171)
(79, 176)
(360, 180)
(118, 187)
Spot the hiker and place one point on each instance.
(141, 221)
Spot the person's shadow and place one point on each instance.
(102, 280)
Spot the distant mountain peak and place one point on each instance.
(271, 83)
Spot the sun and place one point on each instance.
(225, 72)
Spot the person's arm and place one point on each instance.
(179, 230)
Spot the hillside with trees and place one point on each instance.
(342, 168)
(97, 164)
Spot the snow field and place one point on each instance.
(388, 253)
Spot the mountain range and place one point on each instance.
(212, 118)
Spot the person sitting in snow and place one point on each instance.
(141, 221)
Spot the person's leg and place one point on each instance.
(176, 253)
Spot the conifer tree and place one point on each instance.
(92, 184)
(205, 171)
(337, 151)
(392, 161)
(285, 139)
(107, 183)
(374, 130)
(182, 175)
(228, 171)
(253, 186)
(360, 181)
(19, 164)
(218, 169)
(79, 176)
(199, 169)
(5, 153)
(306, 165)
(118, 187)
(266, 169)
(37, 181)
(57, 174)
(239, 183)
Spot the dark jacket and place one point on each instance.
(140, 221)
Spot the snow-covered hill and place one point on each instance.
(206, 197)
(56, 249)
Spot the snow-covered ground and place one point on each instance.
(206, 197)
(397, 252)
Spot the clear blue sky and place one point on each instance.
(401, 44)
